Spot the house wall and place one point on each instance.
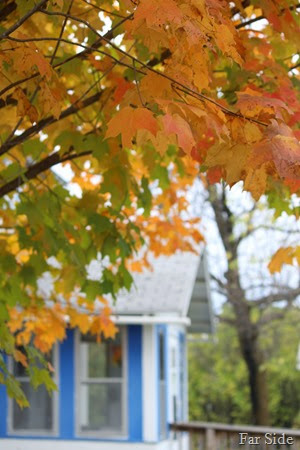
(67, 393)
(143, 402)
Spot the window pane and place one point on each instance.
(161, 357)
(101, 407)
(163, 409)
(39, 416)
(101, 360)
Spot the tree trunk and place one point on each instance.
(257, 380)
(246, 329)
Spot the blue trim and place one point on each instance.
(67, 387)
(135, 407)
(3, 407)
(168, 380)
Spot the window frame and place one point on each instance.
(105, 434)
(55, 396)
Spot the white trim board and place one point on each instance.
(150, 320)
(149, 394)
(49, 444)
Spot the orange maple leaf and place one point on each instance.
(128, 121)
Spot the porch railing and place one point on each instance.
(217, 436)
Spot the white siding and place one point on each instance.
(149, 371)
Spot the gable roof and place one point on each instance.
(168, 289)
(200, 308)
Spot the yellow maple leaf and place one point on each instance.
(256, 181)
(128, 121)
(285, 255)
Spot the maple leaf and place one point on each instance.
(128, 121)
(253, 104)
(20, 357)
(286, 154)
(256, 181)
(25, 108)
(285, 255)
(185, 84)
(175, 124)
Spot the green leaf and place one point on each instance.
(25, 5)
(109, 248)
(34, 148)
(92, 289)
(145, 197)
(126, 277)
(115, 182)
(100, 223)
(42, 377)
(3, 312)
(12, 171)
(13, 389)
(160, 173)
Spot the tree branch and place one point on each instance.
(261, 17)
(81, 55)
(188, 90)
(271, 316)
(23, 19)
(285, 295)
(226, 320)
(7, 10)
(38, 168)
(110, 13)
(220, 283)
(48, 121)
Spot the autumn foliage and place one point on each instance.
(138, 98)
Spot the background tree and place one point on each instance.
(218, 378)
(254, 297)
(133, 98)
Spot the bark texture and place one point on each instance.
(247, 329)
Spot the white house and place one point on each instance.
(122, 393)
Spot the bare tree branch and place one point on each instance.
(271, 317)
(288, 295)
(226, 320)
(220, 283)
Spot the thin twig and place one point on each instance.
(110, 13)
(61, 33)
(119, 50)
(87, 50)
(137, 85)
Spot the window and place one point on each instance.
(101, 386)
(41, 416)
(162, 386)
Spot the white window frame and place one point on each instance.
(55, 420)
(123, 434)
